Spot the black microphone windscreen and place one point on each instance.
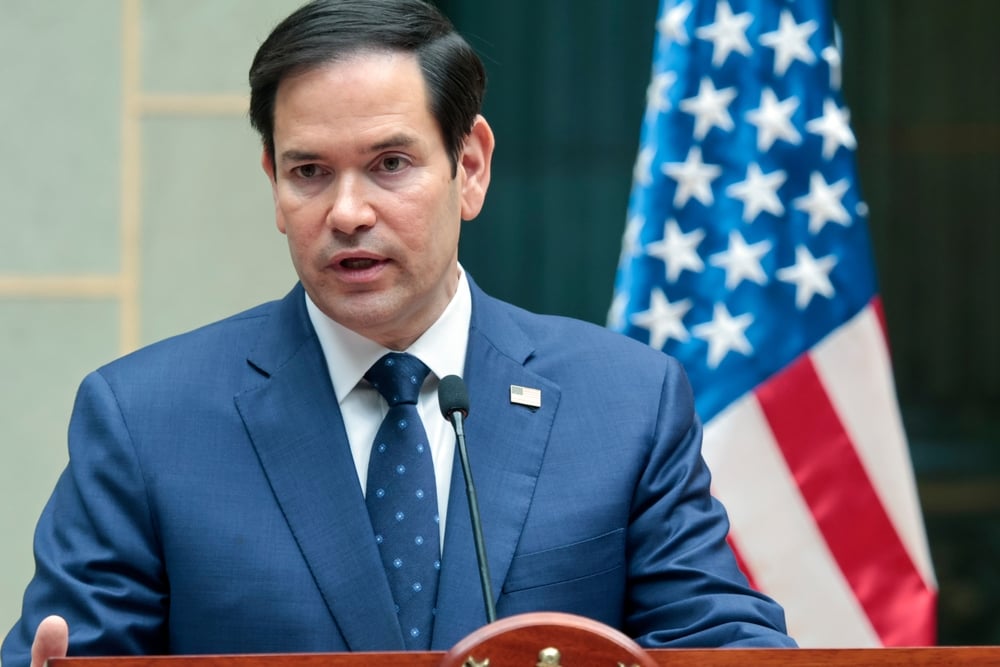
(452, 396)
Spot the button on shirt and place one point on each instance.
(349, 355)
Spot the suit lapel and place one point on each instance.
(295, 425)
(506, 444)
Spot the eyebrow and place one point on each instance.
(298, 156)
(399, 140)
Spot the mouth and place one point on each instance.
(358, 266)
(358, 263)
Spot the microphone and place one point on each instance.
(454, 402)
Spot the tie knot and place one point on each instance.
(398, 377)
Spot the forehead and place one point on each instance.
(381, 85)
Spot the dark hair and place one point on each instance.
(324, 31)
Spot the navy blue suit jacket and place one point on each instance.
(211, 503)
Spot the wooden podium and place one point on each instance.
(548, 639)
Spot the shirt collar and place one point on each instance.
(442, 347)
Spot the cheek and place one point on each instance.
(299, 235)
(415, 220)
(293, 202)
(297, 219)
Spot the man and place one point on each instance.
(220, 496)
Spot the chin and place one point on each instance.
(362, 316)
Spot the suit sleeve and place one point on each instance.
(685, 588)
(97, 561)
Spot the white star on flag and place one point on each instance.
(759, 192)
(694, 178)
(810, 276)
(742, 261)
(831, 55)
(724, 334)
(790, 42)
(727, 34)
(824, 203)
(641, 172)
(671, 26)
(663, 319)
(835, 128)
(630, 238)
(773, 119)
(677, 250)
(710, 108)
(657, 93)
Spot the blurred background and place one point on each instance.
(132, 207)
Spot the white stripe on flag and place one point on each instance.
(775, 533)
(869, 414)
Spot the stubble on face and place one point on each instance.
(364, 192)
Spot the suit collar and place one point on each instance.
(506, 444)
(292, 419)
(283, 334)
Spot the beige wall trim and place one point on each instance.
(61, 287)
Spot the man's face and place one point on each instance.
(363, 189)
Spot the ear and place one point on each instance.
(267, 164)
(474, 167)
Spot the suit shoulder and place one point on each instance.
(558, 337)
(198, 348)
(591, 365)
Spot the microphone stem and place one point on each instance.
(477, 526)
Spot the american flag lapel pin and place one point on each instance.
(525, 396)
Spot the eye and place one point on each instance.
(393, 163)
(307, 171)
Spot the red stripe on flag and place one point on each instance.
(834, 484)
(740, 563)
(878, 307)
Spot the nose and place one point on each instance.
(350, 209)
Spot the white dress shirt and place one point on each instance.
(350, 355)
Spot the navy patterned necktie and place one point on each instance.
(402, 497)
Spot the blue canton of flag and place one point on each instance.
(746, 240)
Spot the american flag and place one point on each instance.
(746, 256)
